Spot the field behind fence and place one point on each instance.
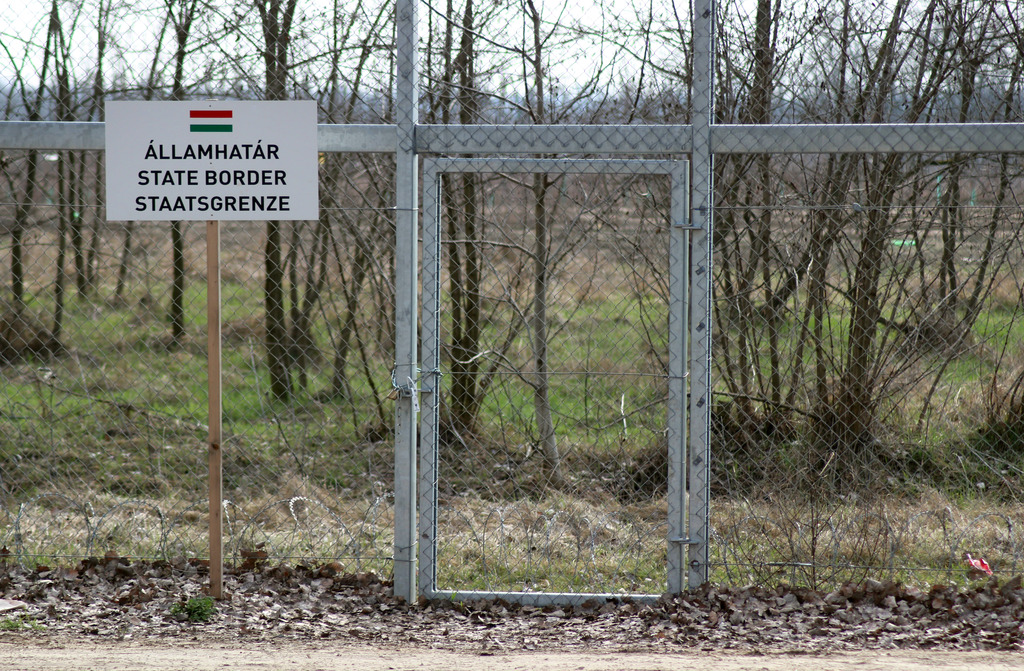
(866, 383)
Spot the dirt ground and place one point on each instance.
(20, 654)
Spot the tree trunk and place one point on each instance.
(538, 314)
(539, 333)
(176, 310)
(464, 260)
(276, 329)
(276, 23)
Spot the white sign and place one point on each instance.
(211, 160)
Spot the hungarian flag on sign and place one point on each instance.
(208, 121)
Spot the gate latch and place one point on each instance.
(405, 391)
(410, 391)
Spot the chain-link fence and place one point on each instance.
(104, 379)
(866, 348)
(867, 300)
(865, 382)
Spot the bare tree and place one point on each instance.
(23, 207)
(276, 22)
(856, 303)
(541, 267)
(181, 15)
(458, 86)
(68, 187)
(149, 89)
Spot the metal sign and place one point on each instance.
(211, 160)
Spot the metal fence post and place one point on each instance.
(700, 315)
(677, 358)
(430, 399)
(406, 372)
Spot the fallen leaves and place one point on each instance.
(11, 604)
(119, 598)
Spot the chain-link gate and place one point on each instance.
(553, 386)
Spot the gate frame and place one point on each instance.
(429, 382)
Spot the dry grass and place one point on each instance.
(913, 541)
(290, 528)
(555, 542)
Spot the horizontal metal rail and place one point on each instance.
(598, 139)
(868, 138)
(568, 139)
(541, 599)
(78, 135)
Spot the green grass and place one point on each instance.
(20, 622)
(196, 610)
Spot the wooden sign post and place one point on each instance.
(215, 412)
